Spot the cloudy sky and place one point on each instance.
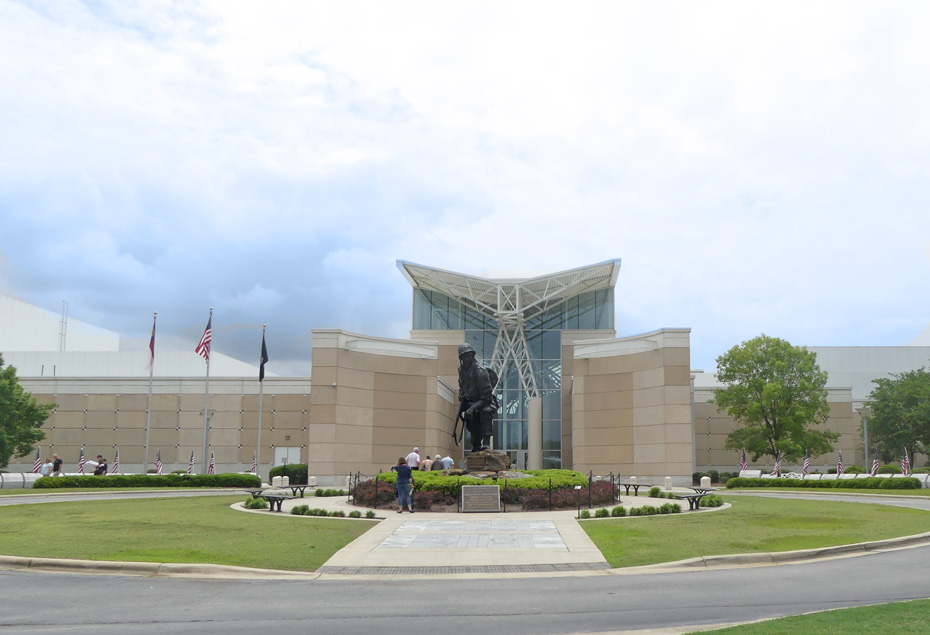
(758, 167)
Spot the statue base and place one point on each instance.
(487, 460)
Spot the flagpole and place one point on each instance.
(206, 395)
(261, 394)
(148, 410)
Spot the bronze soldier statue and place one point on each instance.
(477, 403)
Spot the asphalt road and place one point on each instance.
(34, 602)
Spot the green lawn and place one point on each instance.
(189, 530)
(899, 617)
(751, 525)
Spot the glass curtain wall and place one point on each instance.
(590, 310)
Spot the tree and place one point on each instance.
(900, 415)
(21, 417)
(777, 392)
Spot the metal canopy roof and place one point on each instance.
(505, 299)
(511, 302)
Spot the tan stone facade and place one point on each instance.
(102, 415)
(631, 406)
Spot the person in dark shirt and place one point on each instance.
(404, 480)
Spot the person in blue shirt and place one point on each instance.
(404, 481)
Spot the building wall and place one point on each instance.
(373, 400)
(631, 406)
(101, 415)
(712, 426)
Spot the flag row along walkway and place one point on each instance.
(453, 545)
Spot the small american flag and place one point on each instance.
(38, 464)
(874, 465)
(839, 465)
(254, 463)
(81, 462)
(905, 464)
(203, 348)
(115, 469)
(807, 463)
(158, 462)
(742, 461)
(212, 467)
(190, 466)
(777, 470)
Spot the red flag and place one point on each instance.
(742, 461)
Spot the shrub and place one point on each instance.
(338, 514)
(300, 510)
(355, 514)
(644, 510)
(316, 511)
(330, 492)
(295, 472)
(714, 476)
(228, 480)
(890, 469)
(618, 512)
(655, 492)
(670, 508)
(255, 503)
(603, 512)
(711, 500)
(859, 483)
(585, 513)
(370, 513)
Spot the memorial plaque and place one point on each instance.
(481, 498)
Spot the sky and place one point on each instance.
(758, 167)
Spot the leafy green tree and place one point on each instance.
(21, 417)
(900, 415)
(777, 393)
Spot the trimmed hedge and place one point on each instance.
(858, 483)
(295, 472)
(150, 480)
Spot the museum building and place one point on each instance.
(572, 394)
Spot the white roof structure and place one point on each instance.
(512, 301)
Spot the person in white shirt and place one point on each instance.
(413, 459)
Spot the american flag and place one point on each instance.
(115, 469)
(203, 348)
(212, 467)
(38, 464)
(81, 462)
(254, 463)
(874, 465)
(839, 465)
(158, 462)
(807, 463)
(905, 464)
(742, 461)
(190, 466)
(777, 469)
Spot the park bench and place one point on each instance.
(275, 500)
(694, 500)
(635, 487)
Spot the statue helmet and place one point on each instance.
(466, 348)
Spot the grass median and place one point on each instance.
(189, 530)
(751, 525)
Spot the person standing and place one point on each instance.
(426, 465)
(438, 464)
(46, 468)
(56, 465)
(413, 459)
(448, 462)
(404, 480)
